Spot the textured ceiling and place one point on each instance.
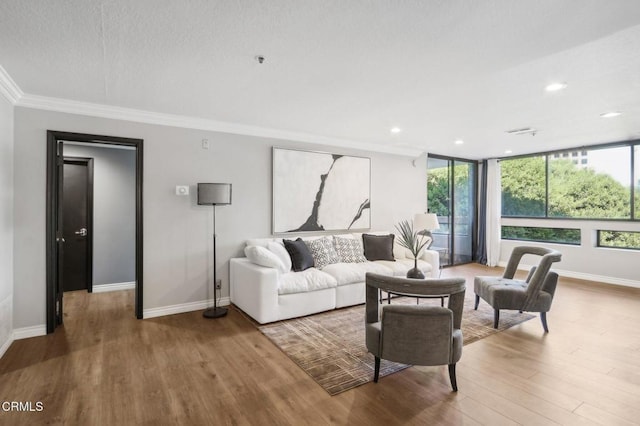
(350, 70)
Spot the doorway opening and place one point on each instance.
(60, 230)
(451, 194)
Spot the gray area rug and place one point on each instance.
(330, 346)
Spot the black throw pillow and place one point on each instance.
(301, 257)
(378, 247)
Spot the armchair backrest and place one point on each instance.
(416, 334)
(539, 275)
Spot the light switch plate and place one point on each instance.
(182, 190)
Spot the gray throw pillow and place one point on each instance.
(301, 257)
(378, 247)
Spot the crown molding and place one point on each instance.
(148, 117)
(8, 88)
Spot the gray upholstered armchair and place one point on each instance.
(415, 334)
(534, 294)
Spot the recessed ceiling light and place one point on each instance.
(554, 87)
(508, 151)
(610, 114)
(395, 130)
(459, 142)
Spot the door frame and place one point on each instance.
(452, 209)
(88, 162)
(53, 138)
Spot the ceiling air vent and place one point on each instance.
(523, 131)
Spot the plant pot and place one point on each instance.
(415, 272)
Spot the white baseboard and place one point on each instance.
(182, 308)
(26, 332)
(6, 345)
(587, 277)
(102, 288)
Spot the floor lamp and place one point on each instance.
(213, 194)
(424, 223)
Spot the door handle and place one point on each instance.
(82, 232)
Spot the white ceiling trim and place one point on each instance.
(149, 117)
(8, 88)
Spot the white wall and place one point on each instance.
(586, 261)
(114, 212)
(6, 224)
(177, 232)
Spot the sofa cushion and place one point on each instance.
(378, 247)
(308, 280)
(349, 250)
(301, 258)
(263, 257)
(350, 273)
(282, 253)
(323, 251)
(401, 266)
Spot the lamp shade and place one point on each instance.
(214, 193)
(425, 221)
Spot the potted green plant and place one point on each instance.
(409, 239)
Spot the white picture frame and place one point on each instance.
(319, 191)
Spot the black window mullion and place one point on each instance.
(632, 187)
(546, 186)
(452, 211)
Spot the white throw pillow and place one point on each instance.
(263, 257)
(282, 253)
(323, 251)
(349, 250)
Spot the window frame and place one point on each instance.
(547, 154)
(599, 245)
(543, 241)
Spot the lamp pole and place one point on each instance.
(215, 312)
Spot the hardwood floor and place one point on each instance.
(107, 368)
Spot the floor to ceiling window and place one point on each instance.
(451, 194)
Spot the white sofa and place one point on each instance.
(268, 294)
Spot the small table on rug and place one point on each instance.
(417, 296)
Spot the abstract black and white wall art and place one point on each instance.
(316, 191)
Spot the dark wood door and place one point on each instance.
(76, 215)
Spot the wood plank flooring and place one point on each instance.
(104, 367)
